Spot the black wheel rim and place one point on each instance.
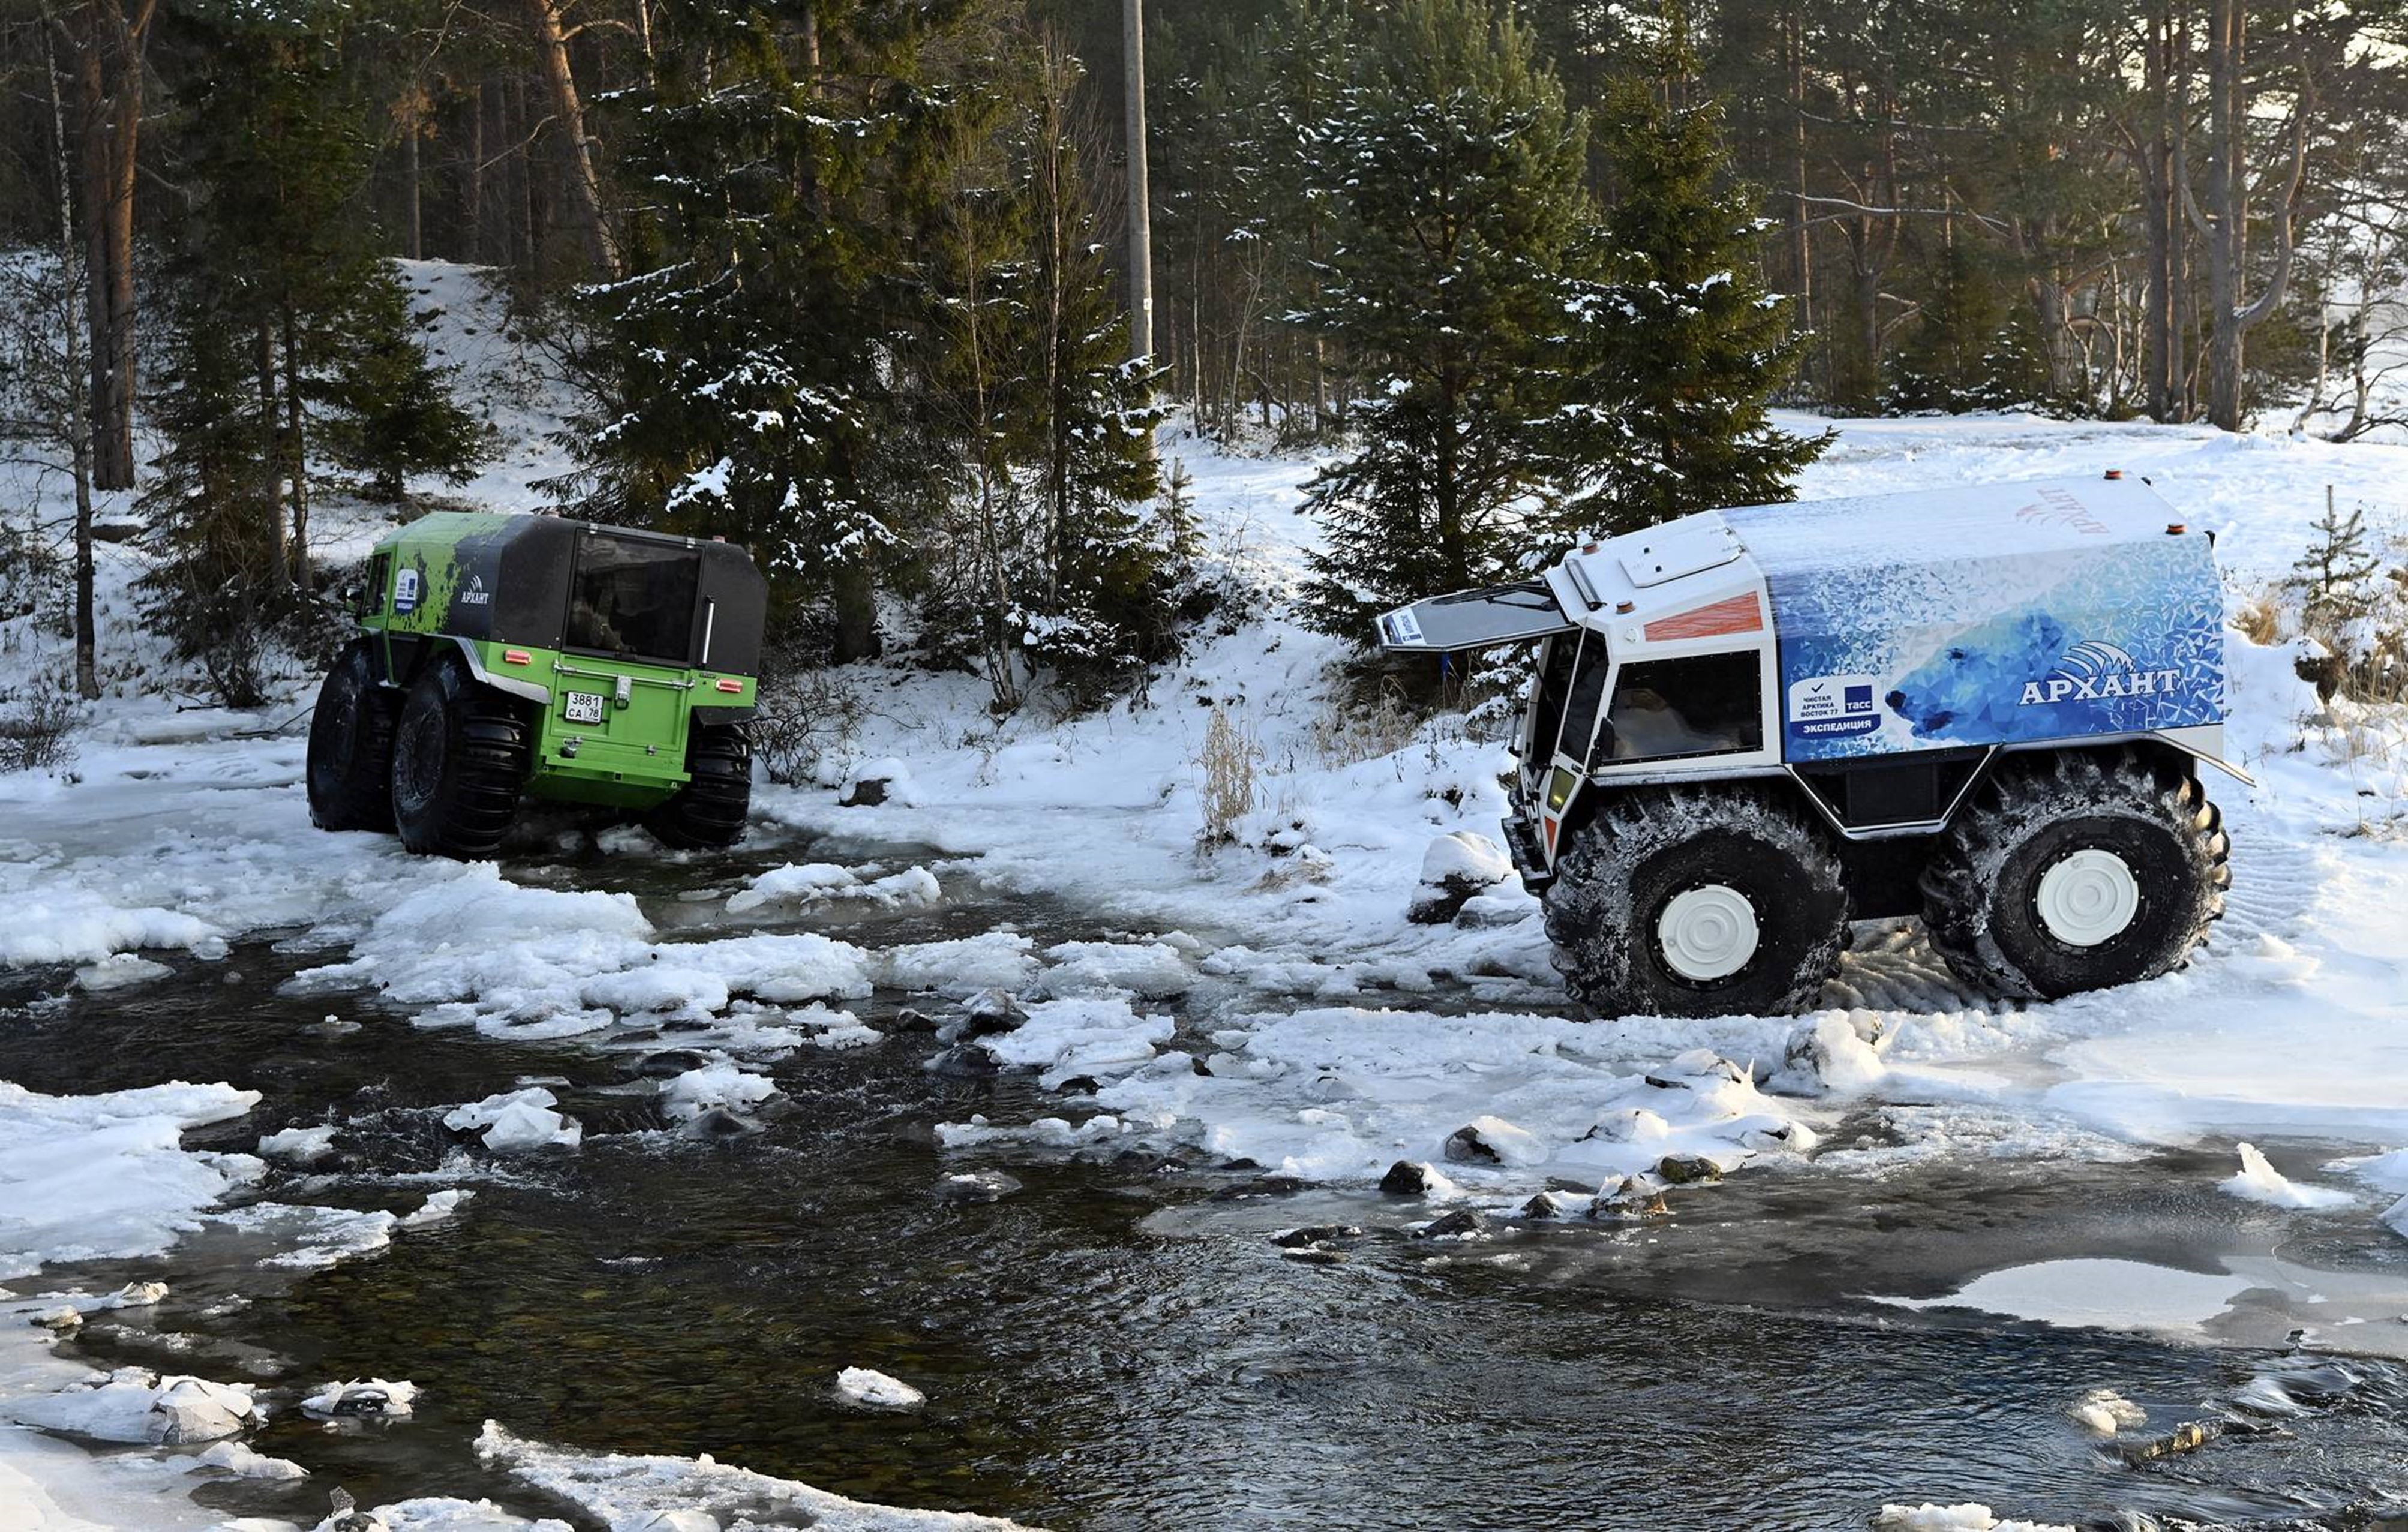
(418, 759)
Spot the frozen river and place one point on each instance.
(1122, 1342)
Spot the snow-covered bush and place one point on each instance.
(36, 727)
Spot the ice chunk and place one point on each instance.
(1153, 969)
(864, 1386)
(1957, 1518)
(71, 924)
(104, 1177)
(438, 1207)
(641, 1492)
(2106, 1412)
(690, 1094)
(2259, 1181)
(803, 882)
(120, 969)
(371, 1398)
(1084, 1034)
(1003, 960)
(236, 1458)
(300, 1145)
(515, 1121)
(133, 1404)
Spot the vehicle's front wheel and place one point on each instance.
(711, 810)
(459, 763)
(351, 746)
(2075, 871)
(1697, 901)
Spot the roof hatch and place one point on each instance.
(1685, 546)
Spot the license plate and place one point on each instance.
(586, 707)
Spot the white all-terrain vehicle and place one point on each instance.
(1983, 705)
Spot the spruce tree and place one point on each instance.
(213, 588)
(749, 381)
(1111, 561)
(393, 410)
(1457, 174)
(1674, 348)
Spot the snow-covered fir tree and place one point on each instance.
(747, 361)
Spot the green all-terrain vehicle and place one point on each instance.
(504, 655)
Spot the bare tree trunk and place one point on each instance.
(585, 182)
(74, 396)
(110, 51)
(411, 226)
(262, 361)
(2222, 223)
(472, 181)
(296, 449)
(1140, 216)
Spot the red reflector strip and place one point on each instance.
(1739, 614)
(516, 656)
(731, 685)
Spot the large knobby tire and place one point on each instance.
(349, 774)
(2077, 870)
(459, 761)
(1697, 901)
(711, 810)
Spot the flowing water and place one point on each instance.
(1120, 1344)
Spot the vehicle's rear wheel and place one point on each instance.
(459, 763)
(711, 810)
(2077, 870)
(349, 774)
(1697, 901)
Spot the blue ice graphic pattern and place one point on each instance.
(2057, 644)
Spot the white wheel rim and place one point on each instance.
(1706, 933)
(2088, 897)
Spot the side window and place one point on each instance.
(1588, 686)
(1711, 705)
(1554, 681)
(372, 585)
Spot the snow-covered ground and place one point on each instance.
(1265, 1000)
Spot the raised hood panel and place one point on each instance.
(1498, 614)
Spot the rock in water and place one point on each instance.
(2187, 1437)
(1407, 1179)
(1462, 1224)
(669, 1063)
(1456, 866)
(1316, 1235)
(990, 1012)
(1686, 1169)
(718, 1125)
(976, 1186)
(1493, 1141)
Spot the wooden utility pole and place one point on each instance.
(1140, 252)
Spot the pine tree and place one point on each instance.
(394, 414)
(1674, 348)
(1459, 184)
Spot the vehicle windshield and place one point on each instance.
(633, 599)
